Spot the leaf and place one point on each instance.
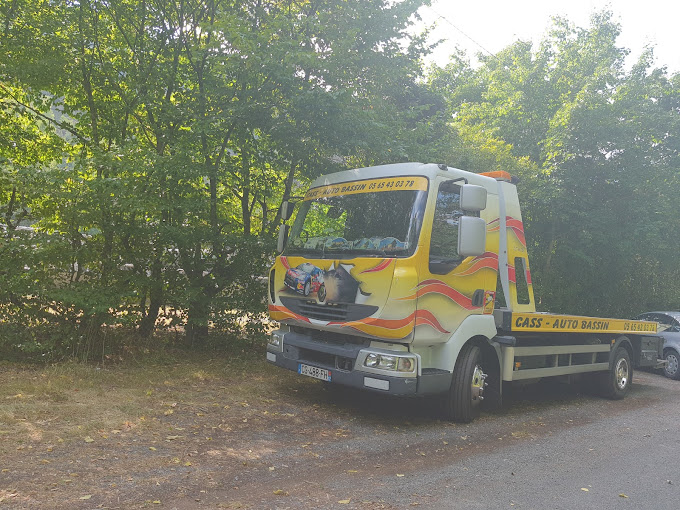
(344, 501)
(279, 492)
(88, 439)
(584, 489)
(400, 475)
(88, 496)
(152, 448)
(622, 495)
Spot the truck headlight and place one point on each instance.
(390, 362)
(276, 339)
(406, 365)
(372, 360)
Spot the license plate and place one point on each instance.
(316, 373)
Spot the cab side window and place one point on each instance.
(444, 240)
(521, 284)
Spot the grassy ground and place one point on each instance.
(71, 432)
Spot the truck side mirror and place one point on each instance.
(283, 237)
(287, 210)
(472, 197)
(471, 236)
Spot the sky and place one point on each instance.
(495, 24)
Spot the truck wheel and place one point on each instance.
(308, 287)
(672, 370)
(462, 402)
(321, 293)
(616, 382)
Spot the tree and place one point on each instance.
(599, 142)
(181, 126)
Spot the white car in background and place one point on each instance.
(669, 328)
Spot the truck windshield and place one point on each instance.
(367, 224)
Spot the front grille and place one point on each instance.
(323, 359)
(317, 358)
(331, 337)
(323, 312)
(330, 312)
(327, 349)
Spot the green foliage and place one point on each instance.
(145, 149)
(153, 142)
(596, 148)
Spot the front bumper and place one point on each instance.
(344, 361)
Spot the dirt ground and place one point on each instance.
(217, 433)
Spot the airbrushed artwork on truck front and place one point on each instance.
(376, 297)
(343, 294)
(333, 285)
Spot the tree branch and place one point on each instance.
(50, 120)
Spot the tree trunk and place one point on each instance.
(148, 323)
(286, 196)
(245, 193)
(197, 322)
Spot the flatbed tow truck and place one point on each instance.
(413, 279)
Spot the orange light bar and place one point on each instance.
(499, 175)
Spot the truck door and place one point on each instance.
(451, 287)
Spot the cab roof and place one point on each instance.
(429, 170)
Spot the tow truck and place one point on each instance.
(423, 287)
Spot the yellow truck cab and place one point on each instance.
(414, 279)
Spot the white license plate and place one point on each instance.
(316, 373)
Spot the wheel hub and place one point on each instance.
(478, 383)
(621, 372)
(672, 367)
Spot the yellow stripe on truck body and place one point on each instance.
(545, 323)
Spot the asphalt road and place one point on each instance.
(551, 447)
(592, 454)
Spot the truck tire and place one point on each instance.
(462, 402)
(672, 370)
(616, 381)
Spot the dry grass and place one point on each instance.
(64, 401)
(71, 430)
